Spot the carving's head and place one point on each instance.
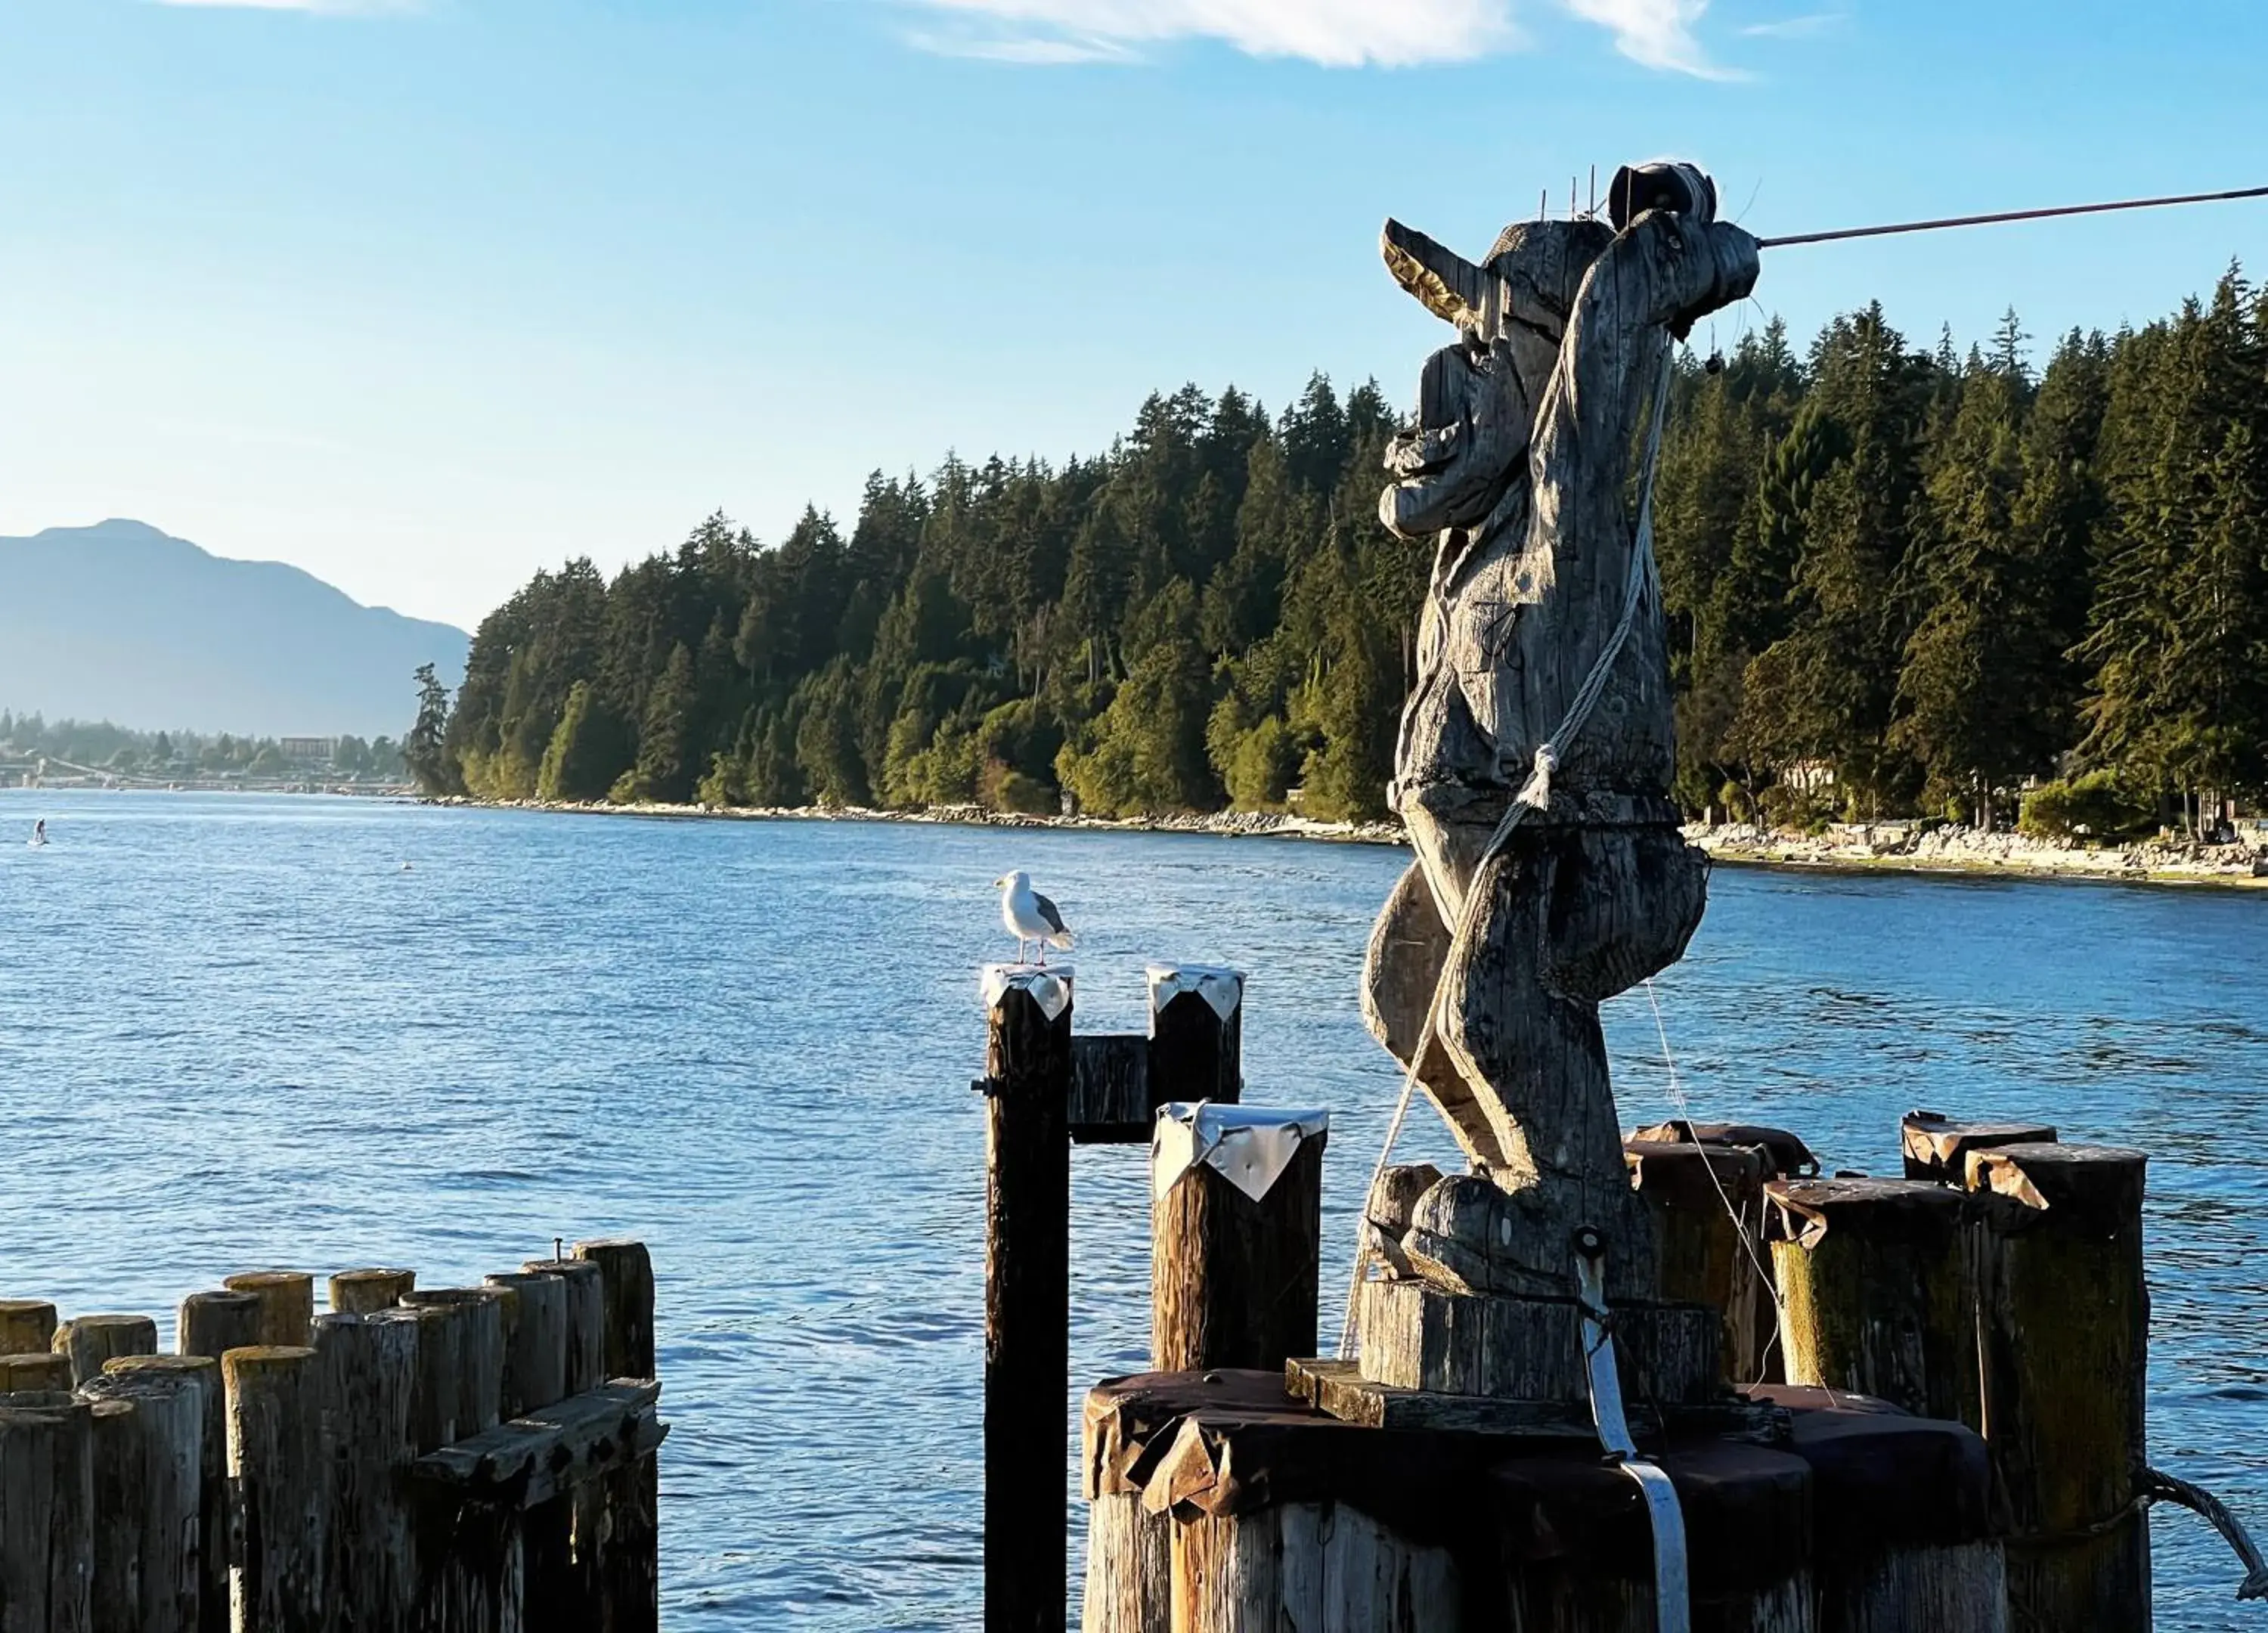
(1477, 399)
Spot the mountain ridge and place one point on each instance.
(124, 622)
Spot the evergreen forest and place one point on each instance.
(1900, 580)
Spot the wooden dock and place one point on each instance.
(465, 1459)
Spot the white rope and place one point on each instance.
(1535, 795)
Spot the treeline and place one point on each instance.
(105, 747)
(1898, 580)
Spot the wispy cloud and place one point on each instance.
(1337, 33)
(1657, 34)
(1798, 27)
(330, 7)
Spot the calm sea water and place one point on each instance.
(235, 1032)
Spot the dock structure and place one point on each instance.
(472, 1460)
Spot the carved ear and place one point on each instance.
(1453, 289)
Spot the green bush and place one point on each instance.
(2097, 806)
(1012, 790)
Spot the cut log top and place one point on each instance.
(1233, 1443)
(26, 1324)
(1698, 1178)
(1785, 1153)
(1904, 1210)
(2092, 1188)
(531, 1459)
(1937, 1146)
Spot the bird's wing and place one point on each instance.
(1048, 912)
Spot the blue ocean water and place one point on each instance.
(237, 1033)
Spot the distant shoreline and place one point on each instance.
(1875, 848)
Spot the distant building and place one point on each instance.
(307, 750)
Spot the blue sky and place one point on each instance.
(422, 294)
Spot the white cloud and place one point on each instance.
(333, 8)
(1657, 34)
(1798, 27)
(1338, 34)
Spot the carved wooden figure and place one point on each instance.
(1520, 467)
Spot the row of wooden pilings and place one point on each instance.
(462, 1459)
(1931, 1413)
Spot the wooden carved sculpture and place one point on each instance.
(1520, 467)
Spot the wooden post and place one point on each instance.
(1026, 1298)
(1937, 1147)
(586, 1319)
(287, 1303)
(1878, 1288)
(214, 1323)
(369, 1366)
(1196, 1033)
(47, 1519)
(2066, 1317)
(91, 1340)
(275, 1411)
(630, 1564)
(359, 1292)
(480, 1351)
(626, 1280)
(121, 1471)
(184, 1555)
(1233, 1279)
(1707, 1205)
(45, 1370)
(535, 1340)
(27, 1326)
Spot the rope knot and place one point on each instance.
(1536, 793)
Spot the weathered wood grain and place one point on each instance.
(121, 1471)
(1947, 1588)
(369, 1363)
(89, 1340)
(1879, 1291)
(1129, 1567)
(214, 1323)
(535, 1340)
(626, 1301)
(27, 1325)
(46, 1519)
(1194, 1054)
(1327, 1566)
(586, 1319)
(1234, 1281)
(627, 1557)
(47, 1370)
(211, 1511)
(1110, 1100)
(275, 1409)
(1413, 1335)
(359, 1292)
(2066, 1328)
(162, 1511)
(287, 1303)
(568, 1444)
(1707, 1206)
(1027, 1314)
(480, 1351)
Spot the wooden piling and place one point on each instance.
(121, 1470)
(276, 1410)
(1197, 1053)
(1707, 1206)
(183, 1549)
(535, 1340)
(626, 1282)
(214, 1323)
(480, 1351)
(369, 1366)
(628, 1557)
(2066, 1315)
(1233, 1281)
(47, 1519)
(89, 1340)
(1937, 1147)
(586, 1319)
(45, 1371)
(27, 1326)
(1878, 1289)
(359, 1292)
(287, 1303)
(1027, 1300)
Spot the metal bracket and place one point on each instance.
(1673, 1594)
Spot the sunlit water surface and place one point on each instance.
(235, 1032)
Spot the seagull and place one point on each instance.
(1030, 916)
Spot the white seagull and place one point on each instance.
(1030, 916)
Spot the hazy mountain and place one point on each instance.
(122, 622)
